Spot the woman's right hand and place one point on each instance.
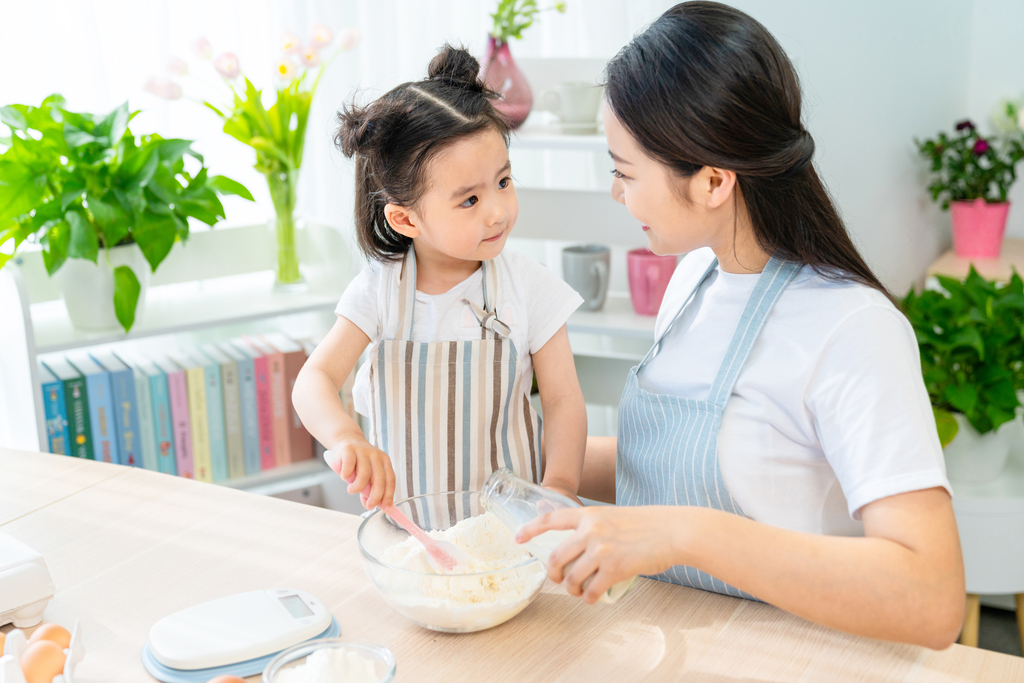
(367, 470)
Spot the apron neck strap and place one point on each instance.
(668, 328)
(773, 281)
(407, 296)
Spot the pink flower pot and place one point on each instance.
(978, 228)
(649, 275)
(500, 73)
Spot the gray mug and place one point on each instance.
(585, 268)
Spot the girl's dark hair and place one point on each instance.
(707, 85)
(394, 137)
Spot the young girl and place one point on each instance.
(458, 327)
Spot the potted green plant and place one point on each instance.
(105, 206)
(970, 176)
(971, 338)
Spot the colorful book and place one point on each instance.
(278, 391)
(144, 414)
(264, 407)
(233, 441)
(163, 420)
(214, 414)
(126, 408)
(199, 421)
(76, 402)
(299, 441)
(177, 395)
(101, 408)
(54, 407)
(247, 407)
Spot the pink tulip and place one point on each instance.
(162, 87)
(349, 38)
(177, 66)
(290, 43)
(285, 70)
(201, 46)
(226, 65)
(321, 36)
(310, 57)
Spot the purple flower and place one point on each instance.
(965, 125)
(980, 147)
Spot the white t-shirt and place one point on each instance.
(829, 412)
(534, 304)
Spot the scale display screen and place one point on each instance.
(295, 606)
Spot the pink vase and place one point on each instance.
(978, 228)
(500, 73)
(649, 275)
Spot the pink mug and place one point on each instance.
(649, 275)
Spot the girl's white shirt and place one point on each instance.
(534, 304)
(830, 411)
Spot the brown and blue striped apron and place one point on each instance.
(449, 413)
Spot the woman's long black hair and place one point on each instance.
(707, 85)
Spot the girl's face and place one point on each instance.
(678, 215)
(469, 206)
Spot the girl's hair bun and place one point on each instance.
(456, 67)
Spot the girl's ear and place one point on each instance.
(402, 220)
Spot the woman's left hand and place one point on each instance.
(611, 544)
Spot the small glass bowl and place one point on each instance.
(382, 658)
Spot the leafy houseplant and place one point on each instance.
(499, 71)
(971, 176)
(278, 133)
(78, 183)
(971, 338)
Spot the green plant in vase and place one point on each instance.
(277, 132)
(81, 185)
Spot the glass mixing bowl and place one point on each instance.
(377, 659)
(454, 603)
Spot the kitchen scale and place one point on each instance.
(25, 584)
(236, 635)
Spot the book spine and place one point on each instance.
(147, 435)
(264, 413)
(282, 427)
(233, 419)
(79, 426)
(101, 415)
(163, 425)
(215, 417)
(250, 415)
(196, 383)
(126, 416)
(300, 442)
(177, 391)
(56, 417)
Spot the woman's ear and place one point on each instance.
(715, 186)
(402, 220)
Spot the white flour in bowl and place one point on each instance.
(330, 665)
(471, 599)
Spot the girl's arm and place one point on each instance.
(902, 581)
(565, 415)
(315, 399)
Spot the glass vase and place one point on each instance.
(500, 73)
(282, 193)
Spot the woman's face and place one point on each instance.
(677, 214)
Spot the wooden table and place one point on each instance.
(127, 547)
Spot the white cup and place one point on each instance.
(576, 105)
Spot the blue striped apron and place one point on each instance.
(450, 413)
(668, 445)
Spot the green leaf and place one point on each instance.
(13, 118)
(55, 246)
(72, 192)
(20, 190)
(155, 235)
(224, 185)
(83, 242)
(110, 216)
(76, 137)
(216, 111)
(970, 338)
(114, 125)
(237, 128)
(126, 296)
(963, 397)
(946, 425)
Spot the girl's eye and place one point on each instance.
(615, 172)
(504, 182)
(469, 202)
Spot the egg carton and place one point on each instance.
(15, 645)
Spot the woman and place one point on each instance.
(777, 443)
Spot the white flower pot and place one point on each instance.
(87, 288)
(973, 458)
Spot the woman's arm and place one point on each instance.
(315, 399)
(903, 581)
(565, 415)
(598, 479)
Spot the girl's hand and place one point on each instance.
(367, 470)
(610, 543)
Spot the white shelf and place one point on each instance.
(289, 473)
(551, 137)
(616, 319)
